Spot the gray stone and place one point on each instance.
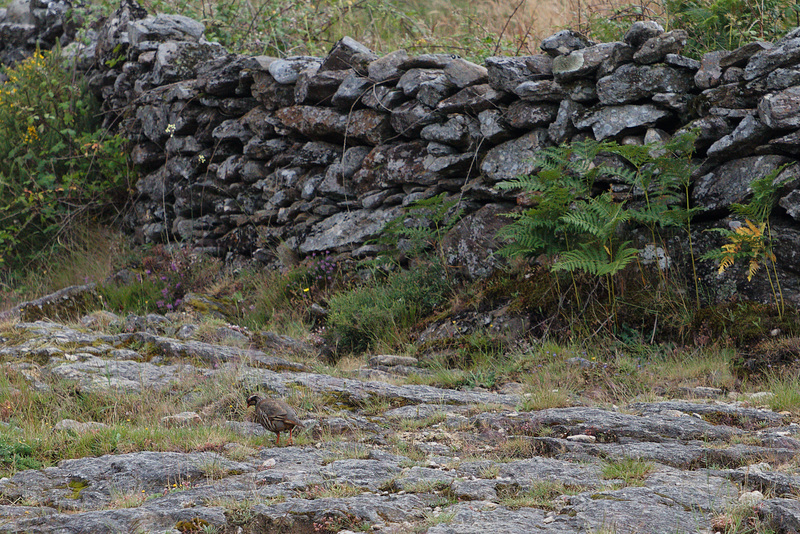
(655, 49)
(287, 71)
(562, 129)
(463, 73)
(683, 62)
(494, 127)
(506, 73)
(410, 118)
(631, 83)
(346, 54)
(780, 110)
(317, 86)
(750, 133)
(513, 158)
(564, 42)
(730, 182)
(710, 72)
(387, 67)
(346, 228)
(473, 99)
(410, 82)
(458, 131)
(527, 115)
(537, 91)
(612, 120)
(740, 56)
(384, 99)
(352, 89)
(432, 92)
(471, 245)
(642, 30)
(785, 53)
(586, 61)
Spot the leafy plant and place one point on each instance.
(380, 310)
(729, 24)
(422, 227)
(752, 241)
(580, 230)
(60, 167)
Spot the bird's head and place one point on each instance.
(252, 400)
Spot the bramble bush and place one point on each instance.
(60, 168)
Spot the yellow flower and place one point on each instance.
(31, 135)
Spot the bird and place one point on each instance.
(275, 416)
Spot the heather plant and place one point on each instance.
(59, 167)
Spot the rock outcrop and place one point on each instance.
(436, 460)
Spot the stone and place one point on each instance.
(538, 91)
(729, 182)
(70, 425)
(784, 53)
(780, 110)
(387, 67)
(473, 99)
(710, 72)
(287, 71)
(586, 61)
(471, 245)
(741, 56)
(631, 83)
(352, 89)
(494, 127)
(411, 81)
(655, 49)
(513, 158)
(181, 419)
(458, 131)
(564, 42)
(347, 53)
(562, 128)
(506, 73)
(750, 133)
(527, 115)
(463, 73)
(642, 30)
(612, 120)
(346, 228)
(318, 86)
(410, 118)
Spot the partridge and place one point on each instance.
(274, 415)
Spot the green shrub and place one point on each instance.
(17, 456)
(360, 318)
(59, 167)
(728, 24)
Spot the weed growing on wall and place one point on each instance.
(751, 240)
(580, 230)
(59, 167)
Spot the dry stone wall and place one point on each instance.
(241, 153)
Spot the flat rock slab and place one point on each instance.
(358, 390)
(608, 425)
(715, 412)
(401, 467)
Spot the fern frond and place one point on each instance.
(754, 265)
